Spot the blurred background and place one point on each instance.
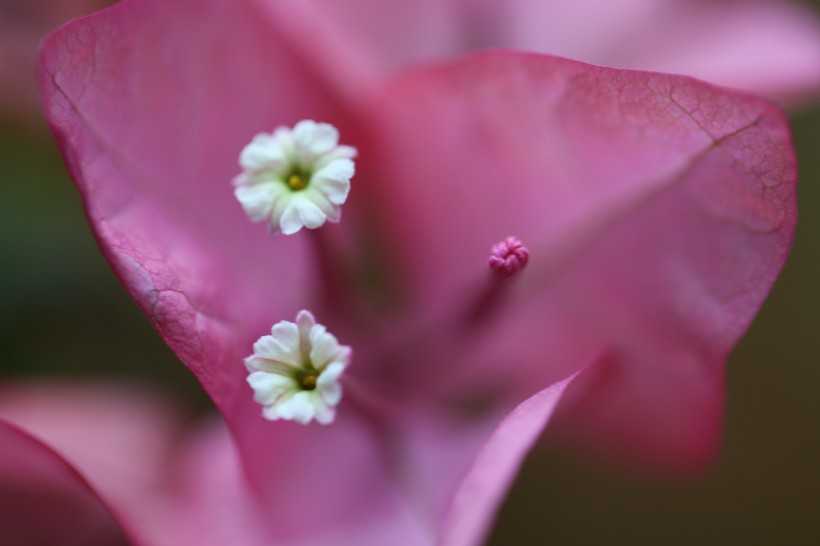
(63, 313)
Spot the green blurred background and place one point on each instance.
(64, 313)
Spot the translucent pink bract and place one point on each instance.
(770, 47)
(657, 209)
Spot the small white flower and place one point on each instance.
(295, 371)
(295, 178)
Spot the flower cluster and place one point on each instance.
(657, 212)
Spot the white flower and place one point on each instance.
(295, 371)
(295, 178)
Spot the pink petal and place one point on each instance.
(583, 29)
(331, 490)
(433, 488)
(152, 121)
(769, 47)
(45, 500)
(661, 417)
(393, 35)
(203, 498)
(163, 484)
(492, 473)
(565, 156)
(657, 211)
(209, 503)
(340, 474)
(119, 437)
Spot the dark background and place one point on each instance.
(62, 312)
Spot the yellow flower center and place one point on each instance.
(308, 381)
(297, 181)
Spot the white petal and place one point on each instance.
(331, 211)
(243, 179)
(269, 348)
(268, 387)
(339, 169)
(331, 374)
(324, 413)
(305, 321)
(334, 180)
(289, 222)
(264, 152)
(298, 407)
(305, 324)
(313, 139)
(271, 411)
(310, 215)
(324, 346)
(332, 393)
(301, 212)
(281, 346)
(285, 332)
(279, 208)
(258, 199)
(328, 383)
(339, 152)
(259, 364)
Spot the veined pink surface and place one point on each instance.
(657, 211)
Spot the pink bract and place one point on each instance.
(44, 500)
(657, 211)
(770, 47)
(23, 25)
